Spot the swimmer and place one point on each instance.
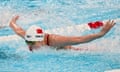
(35, 36)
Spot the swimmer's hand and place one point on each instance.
(13, 20)
(108, 25)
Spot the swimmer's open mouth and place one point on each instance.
(30, 42)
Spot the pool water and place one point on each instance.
(102, 54)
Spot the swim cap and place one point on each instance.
(34, 33)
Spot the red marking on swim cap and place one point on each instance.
(39, 31)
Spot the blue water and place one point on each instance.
(103, 54)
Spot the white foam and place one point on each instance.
(114, 70)
(10, 37)
(5, 16)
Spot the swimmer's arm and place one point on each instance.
(80, 49)
(75, 48)
(109, 24)
(18, 30)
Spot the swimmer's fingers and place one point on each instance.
(15, 17)
(109, 24)
(113, 23)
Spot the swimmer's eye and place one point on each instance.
(38, 36)
(28, 36)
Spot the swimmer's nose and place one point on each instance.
(30, 48)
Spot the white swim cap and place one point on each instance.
(34, 33)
